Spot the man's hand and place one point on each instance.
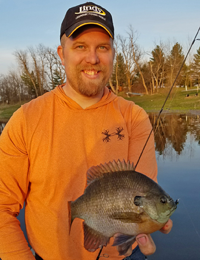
(146, 243)
(167, 227)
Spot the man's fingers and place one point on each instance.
(167, 227)
(146, 244)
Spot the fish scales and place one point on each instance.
(113, 193)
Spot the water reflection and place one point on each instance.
(172, 131)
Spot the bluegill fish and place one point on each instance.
(120, 200)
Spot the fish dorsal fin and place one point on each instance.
(96, 172)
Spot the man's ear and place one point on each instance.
(60, 54)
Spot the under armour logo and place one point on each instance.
(117, 133)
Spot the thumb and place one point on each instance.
(146, 244)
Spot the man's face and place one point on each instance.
(88, 60)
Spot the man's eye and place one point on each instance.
(80, 47)
(102, 47)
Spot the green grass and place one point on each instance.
(177, 101)
(6, 111)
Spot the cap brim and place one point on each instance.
(76, 26)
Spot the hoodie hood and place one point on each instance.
(107, 97)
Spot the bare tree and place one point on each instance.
(17, 86)
(54, 67)
(126, 49)
(42, 69)
(136, 54)
(22, 58)
(152, 76)
(11, 88)
(116, 64)
(157, 66)
(38, 67)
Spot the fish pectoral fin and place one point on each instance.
(127, 217)
(124, 242)
(93, 239)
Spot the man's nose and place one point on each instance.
(92, 57)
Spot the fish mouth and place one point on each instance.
(177, 201)
(173, 208)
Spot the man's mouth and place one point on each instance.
(90, 72)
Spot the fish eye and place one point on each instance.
(137, 201)
(163, 200)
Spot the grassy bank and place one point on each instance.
(151, 103)
(6, 111)
(177, 101)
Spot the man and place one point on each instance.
(49, 144)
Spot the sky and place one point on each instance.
(28, 23)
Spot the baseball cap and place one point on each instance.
(84, 14)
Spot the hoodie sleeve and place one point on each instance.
(140, 130)
(14, 164)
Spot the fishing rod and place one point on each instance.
(154, 125)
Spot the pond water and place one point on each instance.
(177, 142)
(178, 155)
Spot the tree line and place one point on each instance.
(40, 70)
(133, 73)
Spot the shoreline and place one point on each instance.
(187, 112)
(4, 120)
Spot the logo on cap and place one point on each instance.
(90, 9)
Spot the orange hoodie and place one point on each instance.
(45, 151)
